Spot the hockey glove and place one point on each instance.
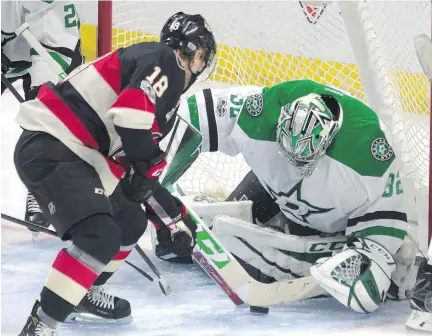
(180, 238)
(142, 179)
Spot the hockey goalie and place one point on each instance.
(325, 188)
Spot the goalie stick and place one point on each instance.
(228, 273)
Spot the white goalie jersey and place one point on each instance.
(355, 188)
(55, 24)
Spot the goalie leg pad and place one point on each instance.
(274, 253)
(237, 209)
(359, 276)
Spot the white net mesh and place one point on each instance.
(265, 43)
(349, 270)
(409, 88)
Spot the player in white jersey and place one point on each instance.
(55, 24)
(322, 158)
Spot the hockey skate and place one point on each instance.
(34, 326)
(98, 306)
(421, 302)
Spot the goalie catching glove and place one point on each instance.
(359, 276)
(174, 243)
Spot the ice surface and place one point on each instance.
(196, 307)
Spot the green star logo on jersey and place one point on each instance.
(293, 203)
(381, 150)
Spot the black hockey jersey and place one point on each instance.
(126, 98)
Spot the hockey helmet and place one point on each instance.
(306, 128)
(187, 33)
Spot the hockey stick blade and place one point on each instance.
(423, 47)
(163, 284)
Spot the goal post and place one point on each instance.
(363, 47)
(104, 27)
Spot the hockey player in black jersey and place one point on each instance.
(126, 98)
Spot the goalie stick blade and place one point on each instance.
(256, 293)
(242, 288)
(423, 47)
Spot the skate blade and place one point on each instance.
(420, 321)
(86, 318)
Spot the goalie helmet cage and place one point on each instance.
(365, 48)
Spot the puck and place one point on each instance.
(260, 310)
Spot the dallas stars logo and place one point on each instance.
(254, 105)
(293, 203)
(381, 149)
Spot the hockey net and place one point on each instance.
(365, 48)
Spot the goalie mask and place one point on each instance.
(187, 33)
(306, 128)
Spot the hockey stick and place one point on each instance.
(139, 270)
(228, 273)
(29, 225)
(11, 88)
(35, 44)
(208, 268)
(163, 284)
(54, 234)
